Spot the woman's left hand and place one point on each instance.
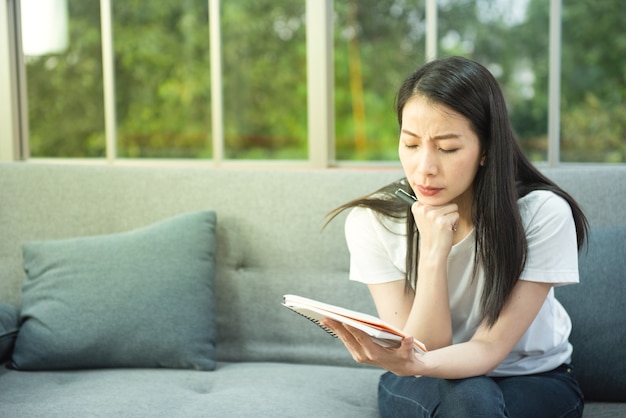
(401, 360)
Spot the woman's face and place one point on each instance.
(439, 152)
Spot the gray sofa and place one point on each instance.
(255, 358)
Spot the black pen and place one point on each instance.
(409, 199)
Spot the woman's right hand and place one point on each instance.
(436, 225)
(401, 360)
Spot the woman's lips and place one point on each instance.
(428, 191)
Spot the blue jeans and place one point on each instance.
(551, 394)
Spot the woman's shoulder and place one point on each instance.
(541, 207)
(362, 219)
(537, 199)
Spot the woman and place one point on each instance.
(468, 269)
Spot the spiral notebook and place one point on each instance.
(380, 332)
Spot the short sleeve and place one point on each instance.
(551, 235)
(377, 250)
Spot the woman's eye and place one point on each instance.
(448, 151)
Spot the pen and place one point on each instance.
(409, 199)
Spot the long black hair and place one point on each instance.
(470, 89)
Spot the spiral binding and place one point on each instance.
(316, 322)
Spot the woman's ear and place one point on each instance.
(482, 159)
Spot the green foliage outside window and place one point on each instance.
(162, 78)
(163, 91)
(65, 93)
(264, 73)
(593, 71)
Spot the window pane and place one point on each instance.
(264, 73)
(162, 78)
(593, 88)
(62, 48)
(377, 43)
(511, 39)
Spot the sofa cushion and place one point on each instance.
(598, 311)
(234, 390)
(9, 324)
(142, 298)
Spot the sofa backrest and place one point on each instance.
(270, 237)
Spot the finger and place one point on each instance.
(330, 325)
(407, 344)
(352, 337)
(340, 330)
(359, 344)
(360, 337)
(353, 346)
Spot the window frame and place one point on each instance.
(320, 86)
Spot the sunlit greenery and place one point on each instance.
(163, 85)
(264, 67)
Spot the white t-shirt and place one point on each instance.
(377, 247)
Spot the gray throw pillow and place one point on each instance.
(598, 313)
(9, 324)
(142, 298)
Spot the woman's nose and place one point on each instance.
(426, 164)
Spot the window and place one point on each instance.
(593, 100)
(162, 82)
(377, 43)
(264, 79)
(485, 31)
(63, 56)
(238, 81)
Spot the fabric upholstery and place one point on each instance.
(270, 241)
(9, 325)
(233, 390)
(598, 311)
(142, 298)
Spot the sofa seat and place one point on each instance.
(232, 390)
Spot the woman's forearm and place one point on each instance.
(429, 319)
(458, 361)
